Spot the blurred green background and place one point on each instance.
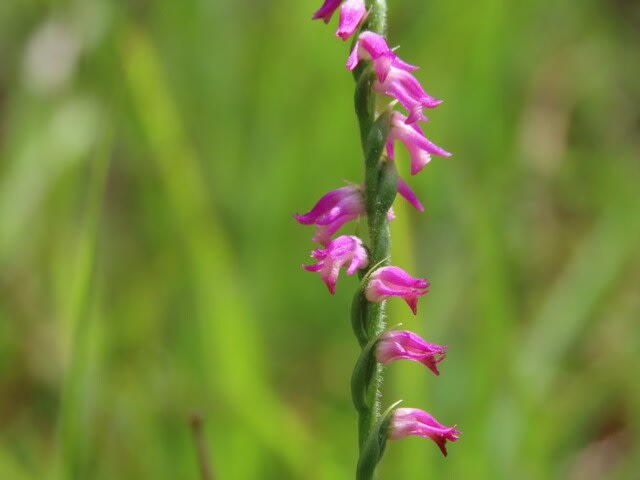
(152, 155)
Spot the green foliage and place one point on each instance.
(151, 156)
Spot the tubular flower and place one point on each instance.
(351, 14)
(371, 46)
(403, 86)
(326, 10)
(333, 210)
(338, 252)
(413, 137)
(388, 282)
(413, 421)
(403, 344)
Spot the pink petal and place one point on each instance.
(351, 14)
(407, 193)
(326, 10)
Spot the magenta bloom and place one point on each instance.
(413, 137)
(403, 86)
(413, 421)
(335, 255)
(371, 46)
(333, 210)
(326, 10)
(351, 14)
(403, 344)
(388, 282)
(407, 193)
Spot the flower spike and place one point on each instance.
(378, 72)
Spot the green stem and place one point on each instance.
(380, 189)
(377, 18)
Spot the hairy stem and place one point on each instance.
(373, 133)
(377, 18)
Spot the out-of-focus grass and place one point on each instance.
(169, 282)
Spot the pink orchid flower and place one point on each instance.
(338, 252)
(392, 281)
(413, 421)
(405, 345)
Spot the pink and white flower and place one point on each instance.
(333, 210)
(338, 252)
(405, 345)
(326, 10)
(413, 421)
(352, 12)
(414, 139)
(392, 281)
(372, 46)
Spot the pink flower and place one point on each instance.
(371, 46)
(413, 421)
(413, 137)
(351, 14)
(326, 10)
(403, 86)
(403, 344)
(333, 210)
(336, 254)
(388, 282)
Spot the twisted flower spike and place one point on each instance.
(378, 71)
